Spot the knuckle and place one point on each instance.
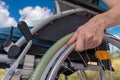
(98, 41)
(90, 35)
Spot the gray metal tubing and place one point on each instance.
(89, 67)
(111, 39)
(82, 68)
(22, 40)
(102, 75)
(68, 4)
(60, 61)
(4, 59)
(52, 62)
(57, 6)
(74, 6)
(14, 66)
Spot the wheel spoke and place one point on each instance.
(83, 65)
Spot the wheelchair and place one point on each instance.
(42, 54)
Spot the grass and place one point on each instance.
(2, 72)
(116, 66)
(90, 74)
(94, 74)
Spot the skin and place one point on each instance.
(90, 34)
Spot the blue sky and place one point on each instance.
(16, 5)
(31, 11)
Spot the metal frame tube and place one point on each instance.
(39, 26)
(57, 6)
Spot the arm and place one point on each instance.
(112, 16)
(90, 34)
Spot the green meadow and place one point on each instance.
(115, 75)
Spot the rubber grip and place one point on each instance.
(25, 30)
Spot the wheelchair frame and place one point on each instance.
(59, 14)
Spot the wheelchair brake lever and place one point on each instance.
(27, 34)
(12, 70)
(9, 38)
(12, 49)
(3, 44)
(23, 27)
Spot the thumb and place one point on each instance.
(72, 40)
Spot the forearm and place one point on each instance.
(111, 17)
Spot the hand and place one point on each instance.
(89, 35)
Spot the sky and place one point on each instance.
(31, 11)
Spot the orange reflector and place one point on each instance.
(102, 55)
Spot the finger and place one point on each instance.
(88, 40)
(94, 43)
(88, 43)
(80, 43)
(91, 46)
(73, 39)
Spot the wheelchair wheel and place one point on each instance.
(100, 63)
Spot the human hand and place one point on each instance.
(89, 35)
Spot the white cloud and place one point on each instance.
(117, 35)
(28, 14)
(34, 15)
(5, 19)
